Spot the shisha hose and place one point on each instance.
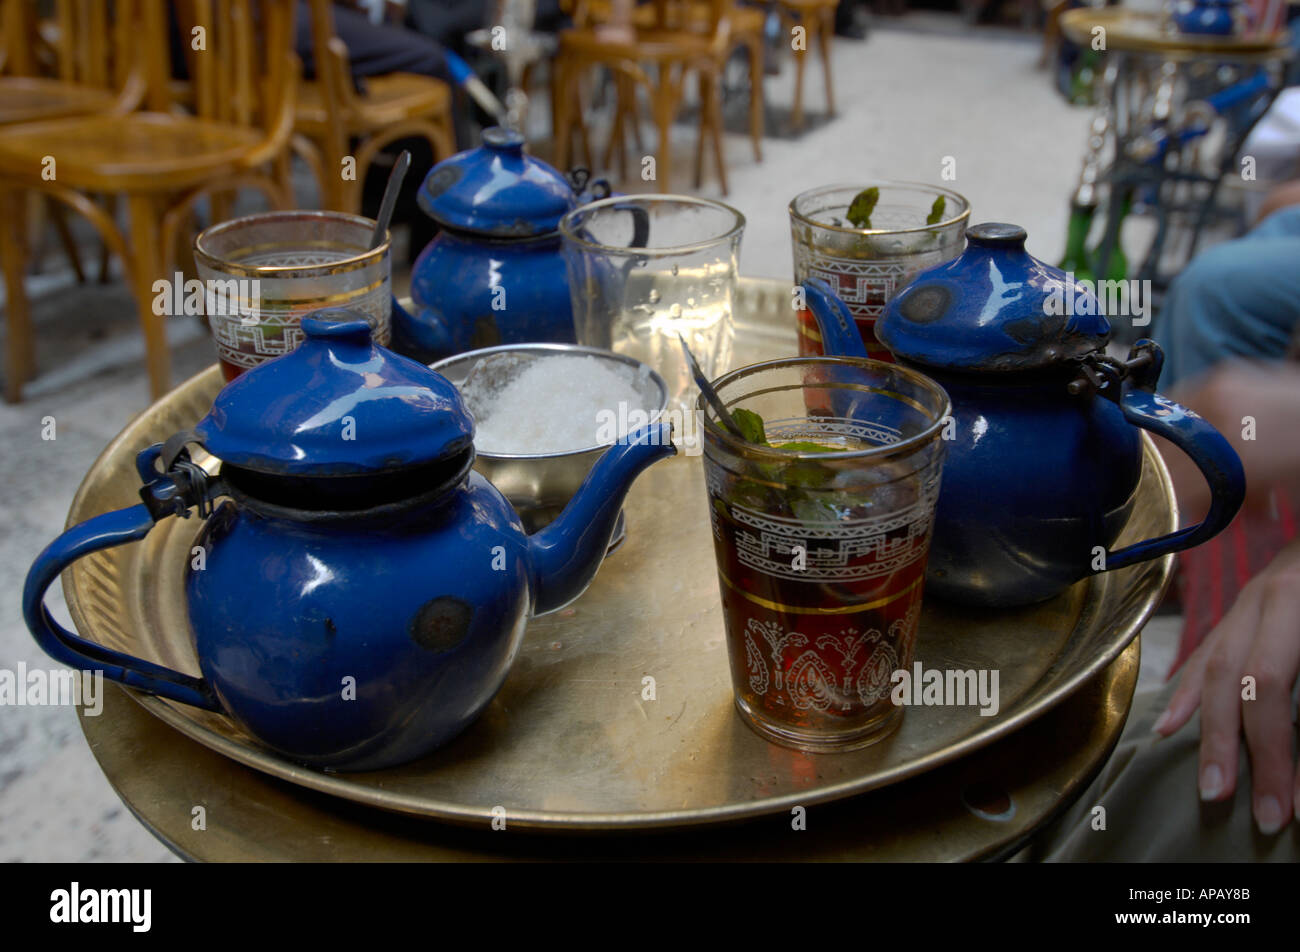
(466, 79)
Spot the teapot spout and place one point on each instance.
(840, 336)
(564, 557)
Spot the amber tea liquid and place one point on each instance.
(815, 636)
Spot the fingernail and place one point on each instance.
(1268, 814)
(1211, 782)
(1161, 722)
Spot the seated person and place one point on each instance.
(1228, 323)
(373, 48)
(1237, 299)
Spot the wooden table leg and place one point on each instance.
(665, 105)
(715, 108)
(824, 36)
(145, 213)
(796, 117)
(20, 352)
(560, 99)
(706, 121)
(756, 95)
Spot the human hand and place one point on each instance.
(1258, 638)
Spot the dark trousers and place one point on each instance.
(373, 49)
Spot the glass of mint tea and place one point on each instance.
(821, 524)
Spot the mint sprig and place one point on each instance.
(863, 204)
(936, 211)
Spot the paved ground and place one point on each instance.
(907, 100)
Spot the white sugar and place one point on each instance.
(552, 404)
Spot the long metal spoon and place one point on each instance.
(706, 388)
(386, 204)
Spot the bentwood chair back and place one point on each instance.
(238, 55)
(77, 62)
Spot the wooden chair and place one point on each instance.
(333, 120)
(243, 79)
(817, 17)
(93, 72)
(680, 38)
(86, 72)
(746, 33)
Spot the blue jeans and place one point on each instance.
(1237, 299)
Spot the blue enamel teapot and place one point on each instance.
(1206, 17)
(494, 274)
(1044, 453)
(363, 591)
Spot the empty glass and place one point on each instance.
(645, 268)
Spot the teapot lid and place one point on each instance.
(993, 308)
(496, 190)
(338, 405)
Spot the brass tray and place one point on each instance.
(985, 806)
(1134, 31)
(569, 743)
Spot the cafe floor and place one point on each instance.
(908, 102)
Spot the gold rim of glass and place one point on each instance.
(219, 263)
(882, 452)
(883, 183)
(566, 225)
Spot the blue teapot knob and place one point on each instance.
(499, 139)
(996, 234)
(337, 324)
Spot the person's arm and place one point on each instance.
(1257, 407)
(1284, 195)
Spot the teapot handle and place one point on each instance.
(104, 532)
(425, 338)
(1209, 450)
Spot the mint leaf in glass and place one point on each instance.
(863, 204)
(936, 211)
(751, 425)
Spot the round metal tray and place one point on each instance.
(571, 742)
(1135, 31)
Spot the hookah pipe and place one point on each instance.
(1152, 146)
(475, 88)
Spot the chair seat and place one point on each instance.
(654, 46)
(139, 152)
(748, 20)
(388, 99)
(28, 98)
(807, 6)
(744, 20)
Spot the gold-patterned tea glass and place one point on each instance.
(263, 273)
(866, 267)
(821, 539)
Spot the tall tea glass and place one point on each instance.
(821, 539)
(645, 268)
(867, 266)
